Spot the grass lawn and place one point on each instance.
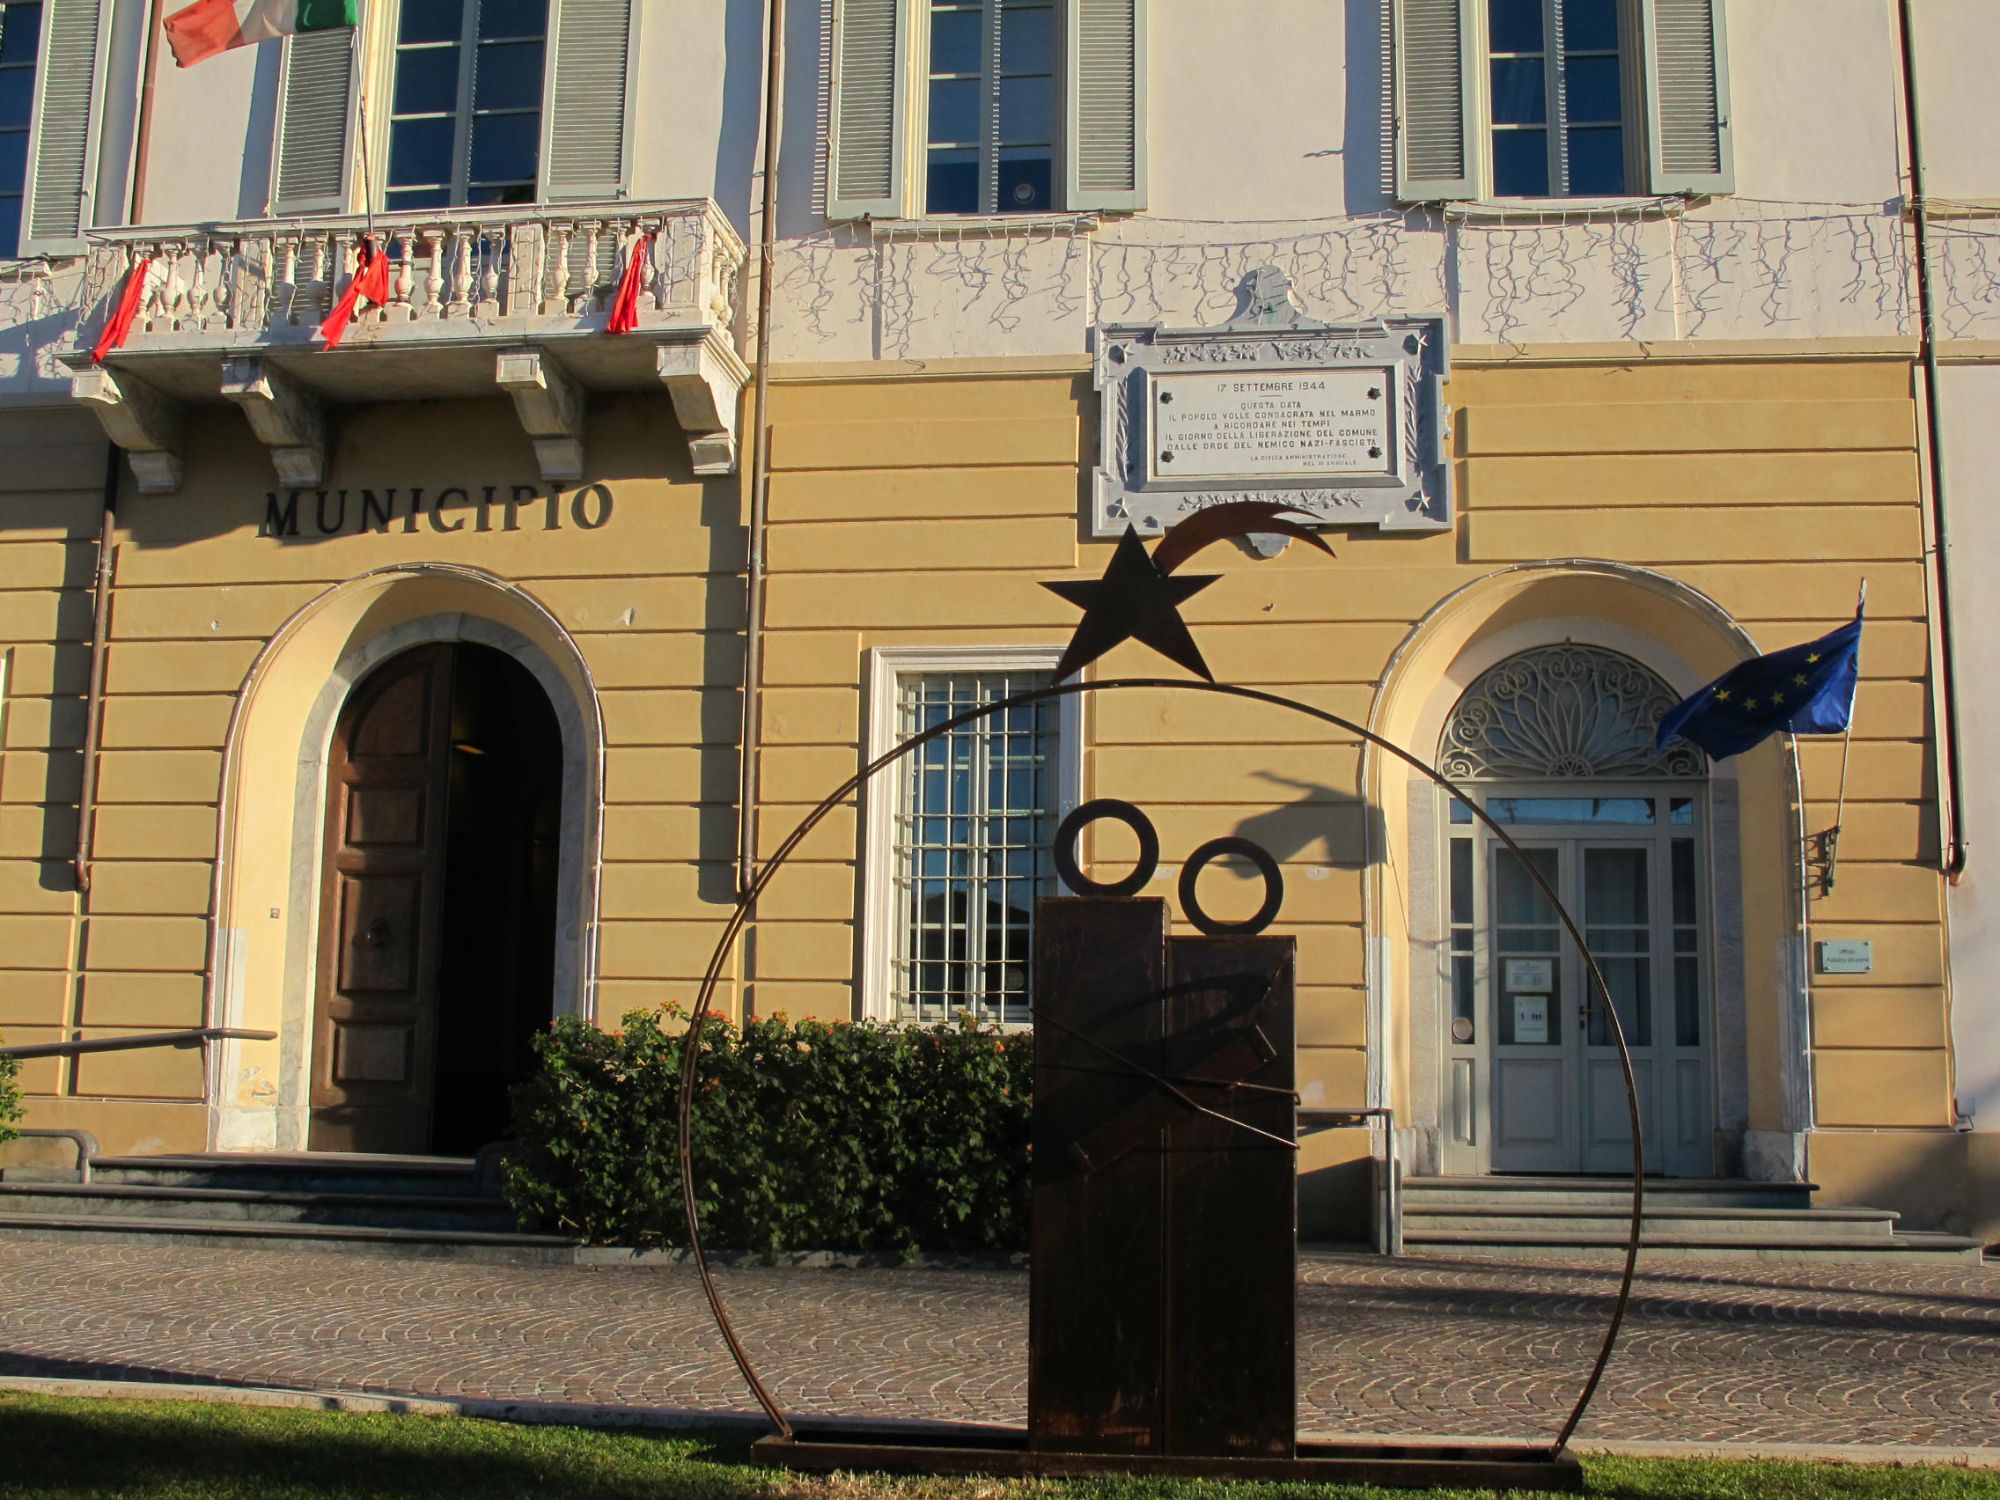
(67, 1447)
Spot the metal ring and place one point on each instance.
(1119, 811)
(1258, 855)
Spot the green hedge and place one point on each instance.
(806, 1136)
(10, 1097)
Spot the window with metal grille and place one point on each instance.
(969, 848)
(466, 115)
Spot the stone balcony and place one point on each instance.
(480, 301)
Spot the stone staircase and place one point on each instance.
(391, 1205)
(1589, 1218)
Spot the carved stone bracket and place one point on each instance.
(139, 419)
(288, 419)
(704, 379)
(550, 405)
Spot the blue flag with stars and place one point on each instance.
(1807, 689)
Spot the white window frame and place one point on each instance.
(463, 114)
(886, 667)
(1554, 54)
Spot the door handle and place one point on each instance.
(377, 933)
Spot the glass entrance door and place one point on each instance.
(1535, 1078)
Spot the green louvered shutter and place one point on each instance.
(62, 152)
(315, 87)
(1687, 96)
(1105, 134)
(1437, 137)
(587, 145)
(865, 139)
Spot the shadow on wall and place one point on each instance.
(1322, 825)
(1368, 167)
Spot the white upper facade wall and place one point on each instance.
(1266, 140)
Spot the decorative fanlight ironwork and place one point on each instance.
(1564, 713)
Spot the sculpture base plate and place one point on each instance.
(941, 1448)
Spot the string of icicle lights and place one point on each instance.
(1644, 271)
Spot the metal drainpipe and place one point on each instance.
(1956, 843)
(760, 460)
(142, 132)
(93, 712)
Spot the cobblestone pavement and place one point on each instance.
(1712, 1352)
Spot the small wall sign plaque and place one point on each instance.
(1343, 422)
(1847, 956)
(1531, 1019)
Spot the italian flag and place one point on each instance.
(211, 26)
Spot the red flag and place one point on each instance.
(118, 326)
(625, 306)
(371, 280)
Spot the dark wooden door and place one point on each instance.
(381, 891)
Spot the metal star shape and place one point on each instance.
(1133, 601)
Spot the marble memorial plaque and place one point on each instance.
(1264, 424)
(1345, 424)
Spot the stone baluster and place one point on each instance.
(652, 275)
(198, 290)
(461, 274)
(557, 298)
(489, 275)
(586, 293)
(228, 275)
(434, 280)
(405, 283)
(288, 278)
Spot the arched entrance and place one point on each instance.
(1558, 741)
(437, 902)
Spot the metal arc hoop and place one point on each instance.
(1598, 989)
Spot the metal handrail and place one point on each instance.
(1389, 1232)
(192, 1037)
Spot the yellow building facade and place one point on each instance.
(300, 687)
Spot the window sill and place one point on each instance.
(1560, 210)
(996, 226)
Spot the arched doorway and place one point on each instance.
(1558, 742)
(438, 899)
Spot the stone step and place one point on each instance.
(1773, 1224)
(1675, 1192)
(299, 1172)
(118, 1200)
(466, 1244)
(1903, 1248)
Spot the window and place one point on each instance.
(991, 117)
(1015, 106)
(490, 102)
(466, 108)
(20, 46)
(51, 56)
(1560, 98)
(959, 834)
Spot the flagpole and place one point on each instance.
(361, 102)
(1830, 840)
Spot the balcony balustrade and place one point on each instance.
(513, 299)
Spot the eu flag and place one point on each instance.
(1807, 689)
